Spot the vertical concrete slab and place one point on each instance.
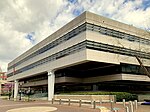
(51, 82)
(15, 89)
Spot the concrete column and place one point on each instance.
(51, 82)
(15, 89)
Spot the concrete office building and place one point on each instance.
(89, 53)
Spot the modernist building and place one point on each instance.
(89, 53)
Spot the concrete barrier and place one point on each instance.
(126, 109)
(131, 106)
(97, 98)
(124, 102)
(143, 97)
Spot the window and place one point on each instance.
(79, 29)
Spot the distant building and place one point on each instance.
(3, 78)
(89, 53)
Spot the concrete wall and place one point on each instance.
(72, 59)
(143, 97)
(87, 97)
(109, 23)
(79, 38)
(65, 29)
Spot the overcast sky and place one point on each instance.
(24, 23)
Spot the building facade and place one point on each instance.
(3, 78)
(89, 53)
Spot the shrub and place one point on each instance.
(124, 95)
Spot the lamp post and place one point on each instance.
(19, 94)
(28, 93)
(20, 91)
(9, 90)
(9, 94)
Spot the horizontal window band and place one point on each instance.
(83, 45)
(84, 27)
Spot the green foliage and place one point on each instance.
(5, 94)
(124, 95)
(119, 95)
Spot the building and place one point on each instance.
(89, 53)
(3, 78)
(3, 75)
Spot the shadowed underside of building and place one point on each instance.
(89, 53)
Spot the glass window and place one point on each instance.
(102, 30)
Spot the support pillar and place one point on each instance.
(15, 89)
(51, 82)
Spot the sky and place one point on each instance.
(24, 23)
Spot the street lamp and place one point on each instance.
(28, 93)
(20, 92)
(9, 90)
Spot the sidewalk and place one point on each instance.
(33, 106)
(6, 105)
(33, 109)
